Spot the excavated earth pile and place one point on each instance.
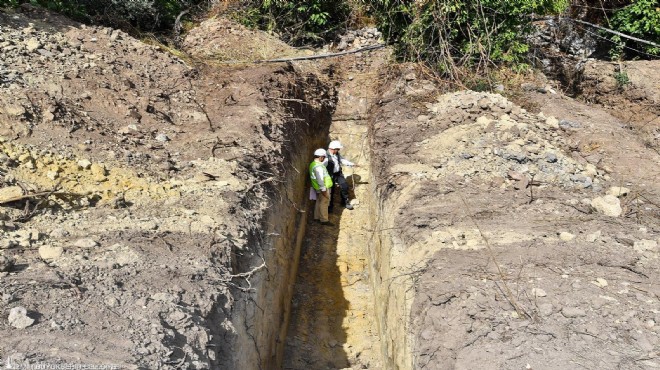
(154, 213)
(145, 201)
(511, 239)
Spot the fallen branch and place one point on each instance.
(285, 99)
(321, 56)
(24, 197)
(272, 178)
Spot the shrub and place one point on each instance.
(642, 20)
(452, 34)
(622, 79)
(141, 15)
(307, 22)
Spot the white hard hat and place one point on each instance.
(335, 145)
(320, 153)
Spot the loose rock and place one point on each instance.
(10, 192)
(573, 312)
(6, 263)
(85, 243)
(608, 205)
(48, 252)
(19, 319)
(618, 191)
(566, 236)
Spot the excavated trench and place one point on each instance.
(333, 318)
(324, 303)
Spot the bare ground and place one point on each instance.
(496, 249)
(481, 238)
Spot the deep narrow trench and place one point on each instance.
(333, 323)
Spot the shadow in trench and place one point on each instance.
(316, 337)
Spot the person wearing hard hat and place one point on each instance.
(334, 162)
(321, 183)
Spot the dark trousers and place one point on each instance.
(338, 179)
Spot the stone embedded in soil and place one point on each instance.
(99, 171)
(573, 312)
(85, 243)
(601, 282)
(6, 263)
(566, 236)
(609, 205)
(111, 301)
(591, 238)
(58, 233)
(538, 292)
(10, 192)
(49, 252)
(84, 164)
(19, 319)
(32, 44)
(618, 191)
(645, 245)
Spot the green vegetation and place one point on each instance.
(460, 39)
(310, 22)
(453, 35)
(622, 79)
(132, 15)
(640, 19)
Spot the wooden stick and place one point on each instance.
(34, 195)
(321, 56)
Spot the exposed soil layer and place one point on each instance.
(629, 91)
(496, 247)
(154, 213)
(170, 194)
(333, 323)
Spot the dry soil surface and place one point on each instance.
(518, 239)
(150, 211)
(138, 195)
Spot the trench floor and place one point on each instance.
(332, 324)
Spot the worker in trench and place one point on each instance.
(334, 162)
(321, 185)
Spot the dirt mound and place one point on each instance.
(223, 40)
(509, 241)
(146, 210)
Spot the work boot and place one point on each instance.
(327, 223)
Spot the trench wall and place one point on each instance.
(261, 316)
(392, 291)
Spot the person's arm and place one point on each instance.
(346, 162)
(318, 172)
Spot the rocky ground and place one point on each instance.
(153, 208)
(528, 239)
(133, 194)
